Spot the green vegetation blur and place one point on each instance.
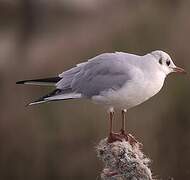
(56, 141)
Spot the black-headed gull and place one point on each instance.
(117, 80)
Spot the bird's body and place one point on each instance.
(139, 85)
(116, 80)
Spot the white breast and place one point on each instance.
(134, 92)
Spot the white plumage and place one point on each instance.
(115, 79)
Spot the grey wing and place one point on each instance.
(100, 83)
(104, 72)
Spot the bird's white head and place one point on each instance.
(165, 62)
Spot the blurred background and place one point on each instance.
(41, 38)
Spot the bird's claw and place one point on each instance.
(113, 137)
(132, 140)
(124, 134)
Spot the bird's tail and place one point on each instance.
(41, 82)
(56, 95)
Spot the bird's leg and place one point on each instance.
(123, 112)
(128, 137)
(123, 132)
(111, 117)
(112, 136)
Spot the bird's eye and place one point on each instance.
(160, 61)
(168, 62)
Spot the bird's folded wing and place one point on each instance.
(104, 72)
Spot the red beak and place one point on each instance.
(179, 70)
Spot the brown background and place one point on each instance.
(40, 38)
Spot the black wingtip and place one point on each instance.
(46, 80)
(20, 82)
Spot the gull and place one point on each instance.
(116, 80)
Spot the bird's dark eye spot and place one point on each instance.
(168, 62)
(160, 61)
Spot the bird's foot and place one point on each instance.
(113, 137)
(123, 135)
(131, 139)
